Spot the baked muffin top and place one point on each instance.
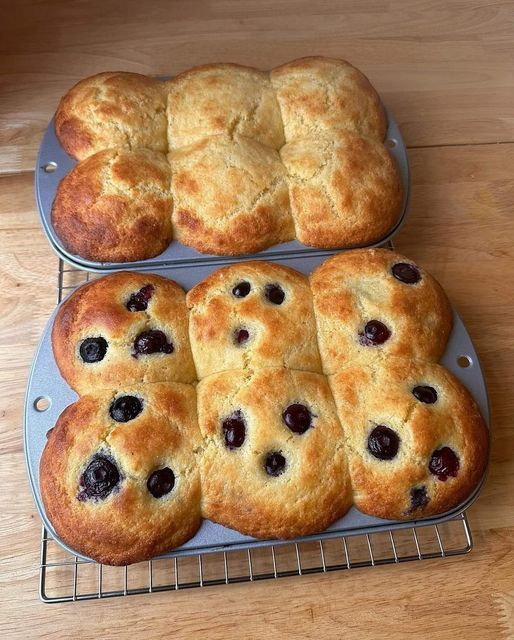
(115, 206)
(230, 196)
(112, 109)
(344, 189)
(416, 442)
(122, 329)
(118, 475)
(273, 463)
(223, 99)
(252, 314)
(371, 304)
(317, 94)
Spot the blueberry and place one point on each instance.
(93, 349)
(125, 408)
(100, 477)
(161, 482)
(275, 463)
(242, 289)
(383, 443)
(297, 417)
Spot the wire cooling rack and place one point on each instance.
(67, 578)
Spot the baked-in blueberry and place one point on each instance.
(152, 341)
(383, 443)
(405, 272)
(274, 293)
(100, 477)
(443, 463)
(234, 430)
(418, 498)
(93, 349)
(425, 394)
(275, 463)
(242, 289)
(241, 336)
(139, 301)
(125, 408)
(297, 417)
(161, 482)
(375, 333)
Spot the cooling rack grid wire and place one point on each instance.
(66, 578)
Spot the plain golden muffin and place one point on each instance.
(230, 196)
(317, 94)
(115, 206)
(273, 463)
(416, 442)
(344, 189)
(125, 328)
(371, 304)
(252, 314)
(257, 158)
(223, 99)
(112, 109)
(119, 478)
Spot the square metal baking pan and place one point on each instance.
(45, 382)
(53, 163)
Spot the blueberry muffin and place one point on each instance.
(416, 442)
(112, 109)
(118, 475)
(230, 196)
(122, 329)
(344, 189)
(115, 206)
(317, 94)
(223, 99)
(273, 464)
(252, 314)
(371, 304)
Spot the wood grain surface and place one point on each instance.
(446, 70)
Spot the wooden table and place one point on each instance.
(446, 70)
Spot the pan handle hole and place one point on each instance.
(464, 362)
(49, 167)
(391, 143)
(42, 404)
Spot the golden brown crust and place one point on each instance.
(99, 309)
(313, 491)
(115, 206)
(225, 123)
(371, 386)
(382, 395)
(354, 287)
(344, 189)
(316, 94)
(223, 98)
(129, 525)
(280, 334)
(230, 196)
(112, 109)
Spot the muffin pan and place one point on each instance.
(53, 163)
(46, 388)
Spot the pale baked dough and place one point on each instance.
(230, 196)
(112, 109)
(317, 94)
(223, 99)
